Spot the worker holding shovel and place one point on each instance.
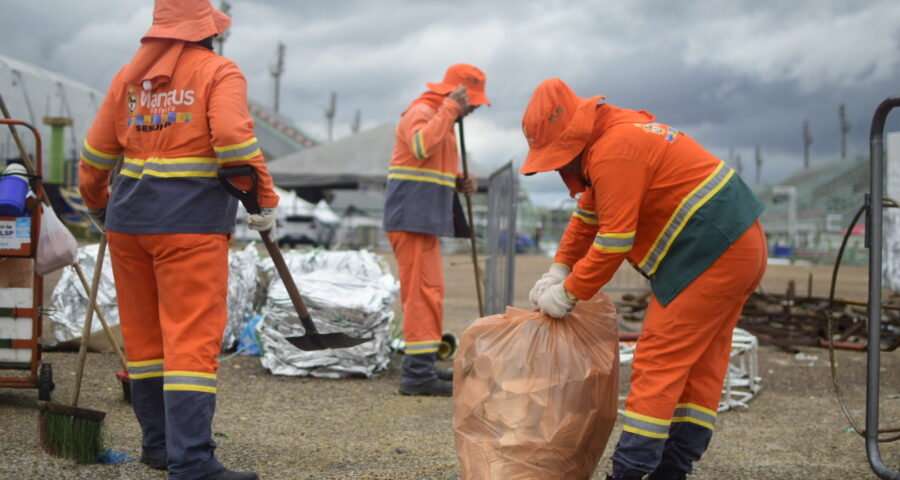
(176, 112)
(653, 196)
(419, 208)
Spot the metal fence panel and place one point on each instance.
(500, 240)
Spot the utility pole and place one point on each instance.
(329, 115)
(759, 162)
(224, 7)
(845, 130)
(357, 119)
(276, 71)
(738, 165)
(807, 141)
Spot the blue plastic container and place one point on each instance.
(13, 190)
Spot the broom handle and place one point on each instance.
(465, 165)
(89, 316)
(46, 200)
(102, 318)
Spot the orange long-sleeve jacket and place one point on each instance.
(658, 199)
(422, 174)
(173, 139)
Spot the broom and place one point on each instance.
(66, 430)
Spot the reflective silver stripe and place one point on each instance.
(142, 371)
(242, 153)
(421, 347)
(418, 144)
(585, 215)
(422, 175)
(645, 425)
(97, 158)
(614, 244)
(684, 213)
(695, 414)
(189, 380)
(171, 167)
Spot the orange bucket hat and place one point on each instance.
(463, 74)
(188, 20)
(557, 125)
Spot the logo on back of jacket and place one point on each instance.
(165, 108)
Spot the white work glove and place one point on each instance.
(555, 301)
(262, 221)
(98, 216)
(557, 274)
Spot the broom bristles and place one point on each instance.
(71, 432)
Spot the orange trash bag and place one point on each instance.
(535, 397)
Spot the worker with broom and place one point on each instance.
(653, 196)
(176, 113)
(420, 208)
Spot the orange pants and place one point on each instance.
(172, 291)
(421, 289)
(681, 359)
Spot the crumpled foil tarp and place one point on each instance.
(68, 303)
(69, 300)
(344, 291)
(243, 292)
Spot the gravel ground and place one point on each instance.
(300, 428)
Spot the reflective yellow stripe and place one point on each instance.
(242, 158)
(235, 147)
(614, 242)
(695, 421)
(189, 388)
(417, 178)
(588, 220)
(169, 167)
(645, 418)
(181, 373)
(668, 233)
(423, 170)
(145, 363)
(138, 376)
(111, 156)
(645, 433)
(419, 146)
(698, 408)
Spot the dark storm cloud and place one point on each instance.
(733, 74)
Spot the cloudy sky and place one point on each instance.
(733, 74)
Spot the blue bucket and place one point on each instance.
(13, 190)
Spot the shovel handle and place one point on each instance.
(248, 199)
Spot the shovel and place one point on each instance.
(312, 339)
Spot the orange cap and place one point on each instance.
(557, 124)
(463, 74)
(188, 20)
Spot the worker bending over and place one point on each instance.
(176, 113)
(653, 196)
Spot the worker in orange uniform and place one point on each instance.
(176, 113)
(419, 208)
(653, 196)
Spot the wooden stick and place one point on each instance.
(472, 236)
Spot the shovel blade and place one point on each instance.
(322, 341)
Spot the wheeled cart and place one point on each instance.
(22, 291)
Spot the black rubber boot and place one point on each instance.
(157, 463)
(435, 388)
(226, 474)
(663, 473)
(446, 375)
